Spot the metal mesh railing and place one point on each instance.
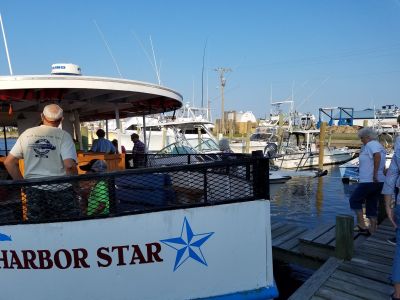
(160, 160)
(133, 191)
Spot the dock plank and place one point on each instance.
(365, 272)
(333, 294)
(282, 230)
(292, 244)
(358, 280)
(316, 232)
(309, 288)
(363, 291)
(327, 237)
(290, 235)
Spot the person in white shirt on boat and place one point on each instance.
(371, 169)
(47, 151)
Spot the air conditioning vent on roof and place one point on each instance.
(65, 69)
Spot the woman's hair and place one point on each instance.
(368, 132)
(224, 144)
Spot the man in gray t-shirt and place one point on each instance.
(47, 151)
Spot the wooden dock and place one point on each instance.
(366, 276)
(299, 245)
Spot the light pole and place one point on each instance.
(221, 72)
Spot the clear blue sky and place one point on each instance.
(329, 53)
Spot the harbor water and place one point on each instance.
(309, 201)
(10, 144)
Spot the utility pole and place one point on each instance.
(221, 72)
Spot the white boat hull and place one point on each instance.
(176, 254)
(308, 160)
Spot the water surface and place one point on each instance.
(311, 201)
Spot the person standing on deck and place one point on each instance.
(393, 240)
(138, 151)
(47, 151)
(392, 182)
(102, 144)
(371, 169)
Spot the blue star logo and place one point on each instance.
(4, 237)
(188, 245)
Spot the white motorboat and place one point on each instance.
(142, 252)
(187, 125)
(300, 151)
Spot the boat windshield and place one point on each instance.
(177, 148)
(206, 145)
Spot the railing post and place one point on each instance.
(260, 175)
(205, 186)
(344, 237)
(189, 158)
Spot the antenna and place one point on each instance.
(202, 74)
(193, 93)
(148, 57)
(155, 62)
(5, 45)
(108, 48)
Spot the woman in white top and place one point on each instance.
(371, 169)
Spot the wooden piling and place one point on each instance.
(248, 133)
(231, 129)
(322, 130)
(344, 237)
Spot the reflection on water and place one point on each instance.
(311, 201)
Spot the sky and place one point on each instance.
(320, 53)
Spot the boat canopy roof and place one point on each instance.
(94, 98)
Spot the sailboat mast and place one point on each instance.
(5, 45)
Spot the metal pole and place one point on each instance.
(144, 133)
(5, 140)
(5, 45)
(223, 82)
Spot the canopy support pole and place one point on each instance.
(77, 126)
(5, 139)
(144, 131)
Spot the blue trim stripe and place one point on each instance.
(262, 293)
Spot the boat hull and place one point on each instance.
(201, 252)
(308, 160)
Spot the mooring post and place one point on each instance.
(322, 131)
(344, 237)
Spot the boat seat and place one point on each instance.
(133, 192)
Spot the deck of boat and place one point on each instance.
(366, 276)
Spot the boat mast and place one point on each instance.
(5, 45)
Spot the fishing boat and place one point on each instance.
(187, 124)
(300, 151)
(179, 232)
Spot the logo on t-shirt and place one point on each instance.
(42, 147)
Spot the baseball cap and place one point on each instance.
(95, 165)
